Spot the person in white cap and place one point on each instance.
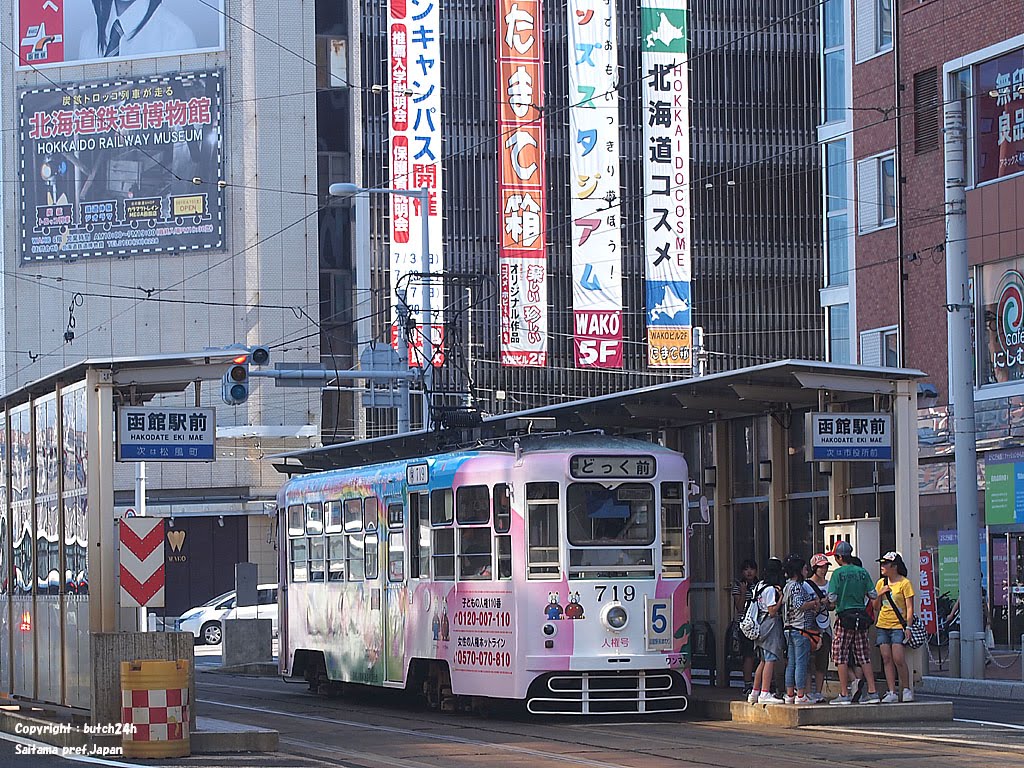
(894, 607)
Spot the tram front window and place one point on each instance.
(611, 529)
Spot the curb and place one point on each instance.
(820, 714)
(255, 669)
(1003, 690)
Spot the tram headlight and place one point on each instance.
(549, 630)
(615, 617)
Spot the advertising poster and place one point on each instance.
(665, 105)
(927, 593)
(594, 173)
(107, 168)
(948, 557)
(1004, 487)
(54, 33)
(414, 132)
(999, 117)
(522, 257)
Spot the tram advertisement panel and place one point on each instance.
(108, 169)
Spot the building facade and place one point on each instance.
(890, 71)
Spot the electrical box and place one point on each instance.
(246, 576)
(862, 533)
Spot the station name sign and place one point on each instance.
(166, 434)
(849, 436)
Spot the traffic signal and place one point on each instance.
(259, 355)
(235, 384)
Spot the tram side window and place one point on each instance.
(372, 562)
(472, 504)
(333, 519)
(315, 519)
(441, 507)
(396, 556)
(504, 546)
(370, 513)
(419, 526)
(673, 532)
(300, 559)
(353, 515)
(355, 556)
(296, 520)
(444, 554)
(336, 558)
(317, 547)
(542, 517)
(502, 508)
(475, 554)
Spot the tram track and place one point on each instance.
(711, 746)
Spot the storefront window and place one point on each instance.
(1000, 325)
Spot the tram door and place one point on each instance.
(395, 593)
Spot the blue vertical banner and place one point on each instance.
(666, 109)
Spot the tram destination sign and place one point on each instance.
(166, 434)
(597, 466)
(849, 436)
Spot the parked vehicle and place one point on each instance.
(265, 608)
(204, 621)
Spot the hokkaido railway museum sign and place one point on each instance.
(849, 436)
(166, 434)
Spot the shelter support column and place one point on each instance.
(908, 510)
(103, 598)
(723, 545)
(778, 504)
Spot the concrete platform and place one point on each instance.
(252, 669)
(210, 736)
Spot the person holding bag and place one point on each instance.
(848, 589)
(895, 609)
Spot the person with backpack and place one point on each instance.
(800, 627)
(769, 641)
(742, 594)
(818, 583)
(894, 607)
(849, 589)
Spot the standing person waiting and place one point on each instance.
(770, 643)
(849, 588)
(742, 595)
(894, 607)
(818, 582)
(799, 621)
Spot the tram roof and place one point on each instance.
(763, 389)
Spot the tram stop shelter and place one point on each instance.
(59, 586)
(744, 437)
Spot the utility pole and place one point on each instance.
(961, 391)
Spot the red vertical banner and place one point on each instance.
(927, 593)
(522, 253)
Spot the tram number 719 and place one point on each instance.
(628, 592)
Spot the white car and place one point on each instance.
(205, 621)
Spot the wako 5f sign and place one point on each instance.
(166, 434)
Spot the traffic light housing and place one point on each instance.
(259, 355)
(235, 384)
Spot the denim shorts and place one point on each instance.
(768, 655)
(890, 636)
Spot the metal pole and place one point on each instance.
(364, 300)
(140, 510)
(426, 317)
(404, 406)
(961, 389)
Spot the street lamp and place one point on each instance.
(346, 189)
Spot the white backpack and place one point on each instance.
(750, 624)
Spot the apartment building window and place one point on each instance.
(874, 28)
(879, 347)
(833, 60)
(837, 220)
(839, 333)
(876, 192)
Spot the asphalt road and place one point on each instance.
(373, 729)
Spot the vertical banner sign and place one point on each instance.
(414, 47)
(928, 606)
(666, 91)
(594, 175)
(142, 562)
(522, 258)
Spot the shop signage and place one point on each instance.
(928, 614)
(107, 168)
(595, 204)
(414, 140)
(1004, 487)
(166, 434)
(999, 117)
(849, 436)
(522, 196)
(665, 107)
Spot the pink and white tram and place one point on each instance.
(550, 569)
